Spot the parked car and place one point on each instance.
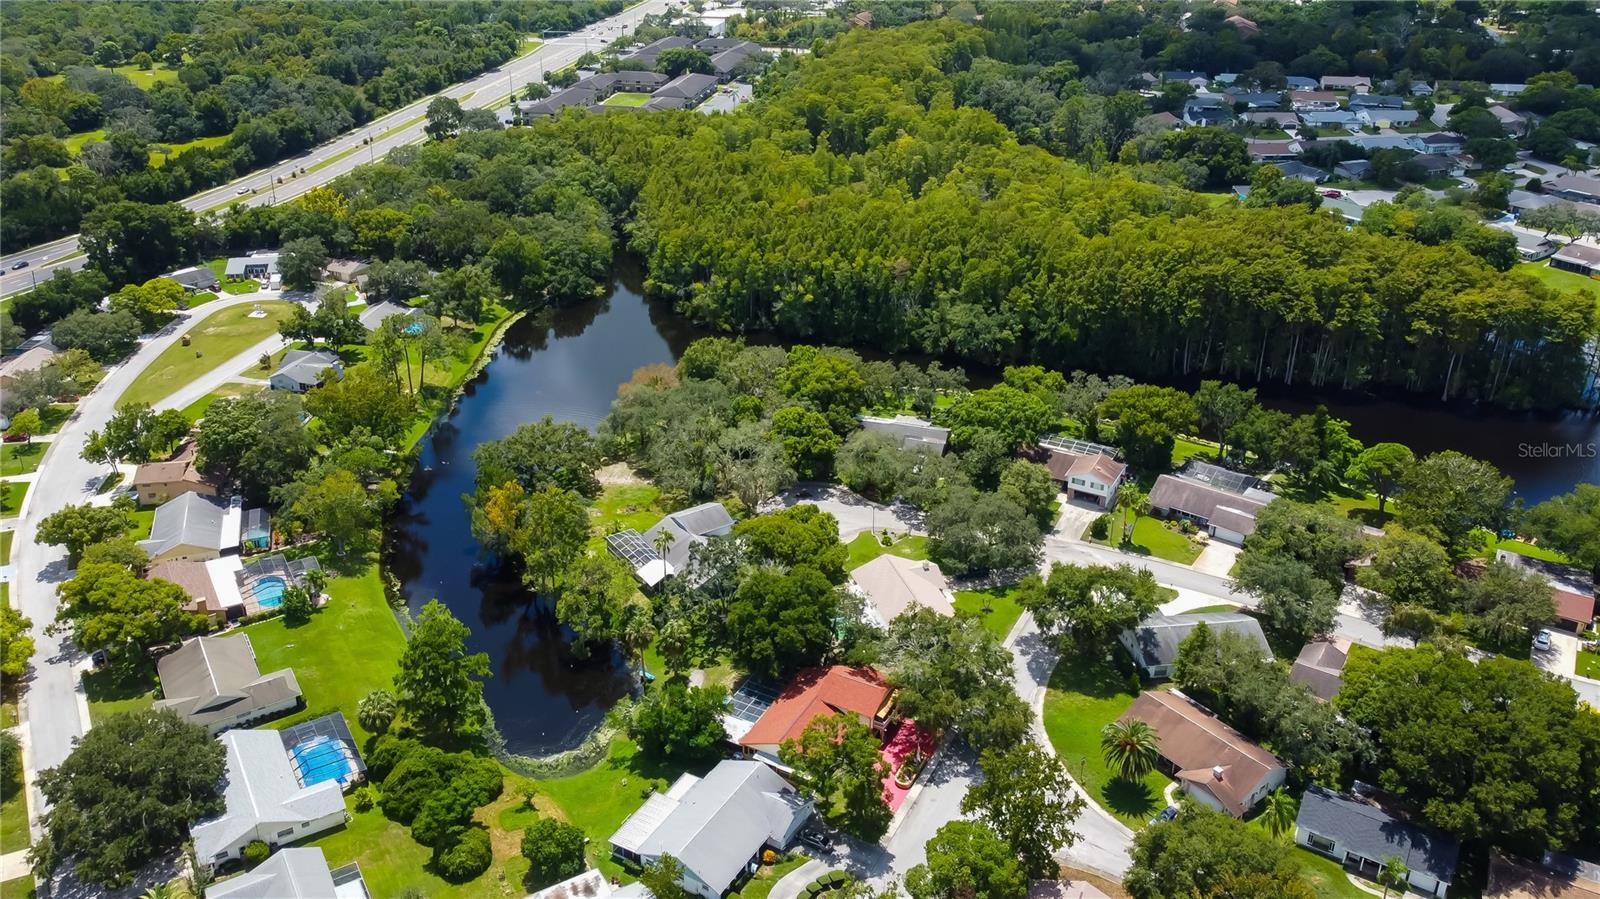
(1167, 814)
(816, 839)
(1541, 640)
(1333, 194)
(99, 659)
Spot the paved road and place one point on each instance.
(259, 187)
(50, 705)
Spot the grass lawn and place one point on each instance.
(1327, 879)
(1184, 449)
(1003, 609)
(1555, 277)
(199, 299)
(1363, 508)
(158, 158)
(5, 546)
(760, 884)
(143, 519)
(21, 888)
(625, 98)
(626, 506)
(1085, 695)
(197, 409)
(20, 458)
(11, 494)
(14, 820)
(1588, 664)
(54, 416)
(120, 690)
(351, 647)
(1525, 549)
(443, 376)
(75, 142)
(867, 547)
(1151, 537)
(216, 339)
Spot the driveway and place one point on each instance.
(1075, 517)
(854, 512)
(1217, 558)
(1561, 658)
(51, 706)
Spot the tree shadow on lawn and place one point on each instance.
(119, 682)
(1131, 798)
(1094, 677)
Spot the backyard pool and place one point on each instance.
(269, 591)
(321, 759)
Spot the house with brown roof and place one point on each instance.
(1574, 610)
(32, 359)
(1214, 763)
(816, 693)
(195, 579)
(1310, 101)
(1557, 877)
(1320, 666)
(1244, 26)
(156, 482)
(1083, 476)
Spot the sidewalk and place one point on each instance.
(792, 883)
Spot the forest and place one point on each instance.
(154, 102)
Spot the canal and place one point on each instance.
(568, 365)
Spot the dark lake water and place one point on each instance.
(568, 365)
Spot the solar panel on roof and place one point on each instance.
(1076, 447)
(751, 700)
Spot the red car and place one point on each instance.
(1332, 194)
(17, 438)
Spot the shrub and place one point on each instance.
(1100, 527)
(480, 777)
(414, 780)
(376, 711)
(362, 798)
(10, 763)
(255, 852)
(297, 606)
(466, 858)
(1187, 527)
(554, 850)
(387, 753)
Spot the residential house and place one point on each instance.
(715, 826)
(154, 483)
(913, 433)
(260, 266)
(1347, 209)
(265, 800)
(1255, 99)
(1213, 763)
(1154, 643)
(1271, 118)
(1354, 169)
(592, 884)
(648, 54)
(1433, 165)
(29, 360)
(1090, 473)
(1331, 118)
(302, 370)
(1222, 502)
(298, 873)
(1302, 172)
(1358, 83)
(1360, 836)
(1244, 26)
(1501, 89)
(215, 682)
(816, 693)
(1421, 89)
(1300, 83)
(1272, 150)
(1531, 245)
(1556, 877)
(1575, 187)
(195, 579)
(691, 88)
(1372, 142)
(1166, 121)
(1377, 101)
(1227, 79)
(1196, 80)
(194, 278)
(891, 585)
(1207, 110)
(1388, 118)
(1313, 101)
(1440, 142)
(1521, 201)
(677, 533)
(862, 19)
(345, 271)
(1574, 610)
(193, 527)
(1320, 666)
(1578, 259)
(376, 313)
(1514, 122)
(1571, 586)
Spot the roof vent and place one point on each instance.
(1216, 772)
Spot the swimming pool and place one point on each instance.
(322, 759)
(269, 591)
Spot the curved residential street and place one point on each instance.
(52, 708)
(343, 153)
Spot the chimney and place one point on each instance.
(1216, 772)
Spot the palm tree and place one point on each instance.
(1280, 812)
(1132, 502)
(1131, 747)
(664, 540)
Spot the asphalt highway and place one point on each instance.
(294, 176)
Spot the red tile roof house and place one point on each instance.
(816, 693)
(1574, 611)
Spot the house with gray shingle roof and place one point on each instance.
(215, 682)
(265, 800)
(1154, 643)
(1362, 836)
(300, 873)
(301, 370)
(715, 826)
(193, 527)
(644, 554)
(913, 433)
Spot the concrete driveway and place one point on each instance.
(854, 512)
(1561, 658)
(1075, 517)
(1217, 558)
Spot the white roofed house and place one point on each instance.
(265, 800)
(259, 266)
(715, 826)
(300, 873)
(892, 585)
(302, 370)
(913, 433)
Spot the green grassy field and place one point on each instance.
(625, 98)
(1184, 449)
(1085, 695)
(197, 409)
(116, 690)
(1003, 609)
(5, 546)
(158, 158)
(1525, 549)
(866, 547)
(11, 495)
(1557, 278)
(1151, 537)
(20, 458)
(14, 819)
(216, 339)
(54, 416)
(1588, 664)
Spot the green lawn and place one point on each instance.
(1363, 508)
(75, 142)
(351, 647)
(1003, 609)
(1327, 879)
(1085, 695)
(624, 505)
(761, 883)
(216, 339)
(20, 458)
(866, 547)
(197, 409)
(441, 379)
(14, 819)
(625, 98)
(1184, 449)
(199, 299)
(119, 690)
(11, 494)
(1152, 537)
(158, 158)
(1557, 278)
(1526, 549)
(5, 546)
(21, 888)
(1588, 664)
(54, 416)
(143, 519)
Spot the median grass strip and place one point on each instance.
(11, 495)
(216, 339)
(1085, 695)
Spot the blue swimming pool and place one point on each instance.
(322, 759)
(269, 591)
